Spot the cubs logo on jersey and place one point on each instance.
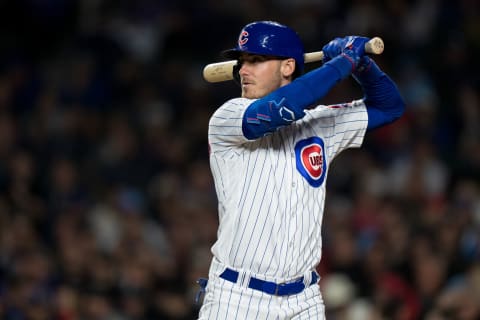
(310, 159)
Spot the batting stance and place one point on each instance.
(270, 152)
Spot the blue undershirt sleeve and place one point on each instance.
(286, 104)
(381, 96)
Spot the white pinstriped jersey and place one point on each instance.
(271, 191)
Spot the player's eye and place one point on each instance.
(252, 59)
(258, 59)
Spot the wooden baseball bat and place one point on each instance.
(223, 71)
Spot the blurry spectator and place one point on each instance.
(458, 300)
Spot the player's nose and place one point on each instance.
(244, 69)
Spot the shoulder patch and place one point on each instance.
(310, 160)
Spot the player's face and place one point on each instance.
(260, 75)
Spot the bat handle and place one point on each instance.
(313, 56)
(373, 46)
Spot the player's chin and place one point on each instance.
(249, 92)
(246, 93)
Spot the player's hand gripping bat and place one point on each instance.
(223, 71)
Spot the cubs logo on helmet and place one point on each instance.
(243, 38)
(310, 160)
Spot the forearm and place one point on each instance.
(382, 98)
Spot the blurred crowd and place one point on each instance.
(107, 207)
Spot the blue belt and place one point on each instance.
(277, 289)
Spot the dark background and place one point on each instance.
(107, 207)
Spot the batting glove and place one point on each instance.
(333, 49)
(351, 47)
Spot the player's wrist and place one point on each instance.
(367, 71)
(343, 64)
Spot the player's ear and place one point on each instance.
(288, 67)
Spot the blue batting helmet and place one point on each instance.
(269, 38)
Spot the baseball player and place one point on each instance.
(270, 152)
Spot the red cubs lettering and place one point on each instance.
(315, 160)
